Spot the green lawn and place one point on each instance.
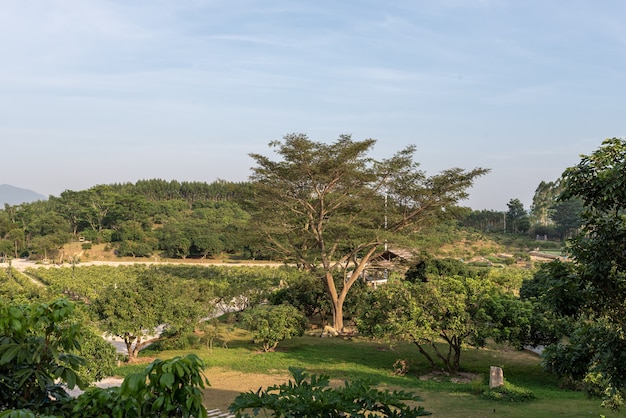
(357, 358)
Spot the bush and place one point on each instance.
(272, 324)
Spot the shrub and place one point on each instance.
(272, 324)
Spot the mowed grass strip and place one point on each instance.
(242, 367)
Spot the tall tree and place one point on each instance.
(599, 250)
(566, 214)
(133, 310)
(516, 217)
(329, 208)
(544, 198)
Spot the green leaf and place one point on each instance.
(167, 380)
(10, 353)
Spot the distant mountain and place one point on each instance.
(14, 195)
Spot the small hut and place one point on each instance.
(391, 260)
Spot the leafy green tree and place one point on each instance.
(557, 297)
(599, 181)
(330, 207)
(544, 199)
(427, 268)
(133, 310)
(37, 346)
(16, 236)
(458, 310)
(174, 241)
(273, 324)
(100, 357)
(516, 217)
(312, 396)
(566, 214)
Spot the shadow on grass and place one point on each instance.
(359, 359)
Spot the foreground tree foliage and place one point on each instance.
(312, 396)
(331, 208)
(596, 349)
(166, 388)
(37, 346)
(38, 361)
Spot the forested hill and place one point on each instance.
(175, 219)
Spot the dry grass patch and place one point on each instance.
(227, 384)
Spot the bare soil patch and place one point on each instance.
(227, 384)
(461, 377)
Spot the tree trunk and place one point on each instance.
(337, 306)
(424, 353)
(128, 340)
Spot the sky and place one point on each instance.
(106, 91)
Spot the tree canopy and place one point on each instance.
(458, 310)
(598, 283)
(332, 207)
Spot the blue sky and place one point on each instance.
(97, 92)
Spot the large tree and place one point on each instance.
(458, 310)
(599, 250)
(330, 208)
(133, 310)
(516, 217)
(544, 198)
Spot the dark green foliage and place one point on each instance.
(427, 268)
(38, 343)
(484, 220)
(556, 286)
(517, 219)
(567, 215)
(312, 396)
(307, 294)
(594, 354)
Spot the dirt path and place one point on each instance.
(21, 264)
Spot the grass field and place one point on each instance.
(241, 367)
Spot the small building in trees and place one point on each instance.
(391, 260)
